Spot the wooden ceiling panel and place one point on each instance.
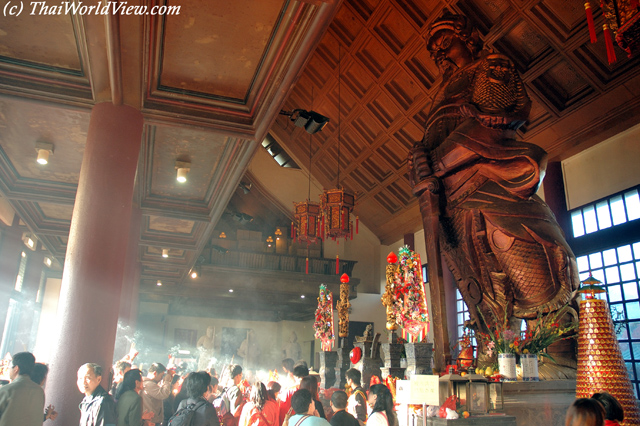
(593, 60)
(523, 45)
(383, 109)
(377, 168)
(59, 212)
(394, 154)
(229, 68)
(562, 86)
(171, 144)
(423, 68)
(23, 124)
(364, 8)
(374, 55)
(394, 29)
(356, 78)
(366, 126)
(346, 26)
(171, 225)
(403, 89)
(53, 46)
(401, 190)
(562, 19)
(418, 11)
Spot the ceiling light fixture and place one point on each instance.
(222, 235)
(159, 283)
(230, 290)
(246, 187)
(302, 296)
(194, 273)
(44, 150)
(269, 241)
(183, 168)
(278, 234)
(47, 261)
(165, 253)
(311, 121)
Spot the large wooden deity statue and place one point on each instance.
(476, 185)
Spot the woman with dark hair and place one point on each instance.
(613, 411)
(585, 412)
(129, 406)
(260, 410)
(273, 389)
(197, 385)
(381, 403)
(310, 383)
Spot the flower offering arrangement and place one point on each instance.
(409, 301)
(323, 325)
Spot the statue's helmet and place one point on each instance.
(461, 27)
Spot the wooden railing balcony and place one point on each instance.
(277, 262)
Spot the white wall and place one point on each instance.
(607, 168)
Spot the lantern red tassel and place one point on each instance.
(351, 232)
(337, 264)
(322, 230)
(292, 231)
(608, 41)
(592, 27)
(306, 266)
(357, 223)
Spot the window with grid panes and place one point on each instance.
(617, 265)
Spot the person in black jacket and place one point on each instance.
(340, 416)
(205, 413)
(97, 408)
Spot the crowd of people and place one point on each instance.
(160, 397)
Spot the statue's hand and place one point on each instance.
(419, 167)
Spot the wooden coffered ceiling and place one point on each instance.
(211, 80)
(384, 85)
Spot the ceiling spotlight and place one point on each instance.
(44, 150)
(165, 253)
(302, 296)
(194, 273)
(269, 241)
(47, 261)
(278, 234)
(183, 167)
(222, 235)
(159, 283)
(246, 187)
(230, 290)
(30, 242)
(311, 121)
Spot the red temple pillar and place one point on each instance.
(95, 261)
(10, 249)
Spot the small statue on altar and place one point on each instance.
(292, 349)
(205, 348)
(501, 241)
(367, 336)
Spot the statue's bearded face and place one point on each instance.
(449, 52)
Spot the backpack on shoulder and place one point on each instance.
(185, 416)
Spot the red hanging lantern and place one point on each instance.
(337, 205)
(307, 214)
(355, 355)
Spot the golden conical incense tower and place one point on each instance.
(601, 367)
